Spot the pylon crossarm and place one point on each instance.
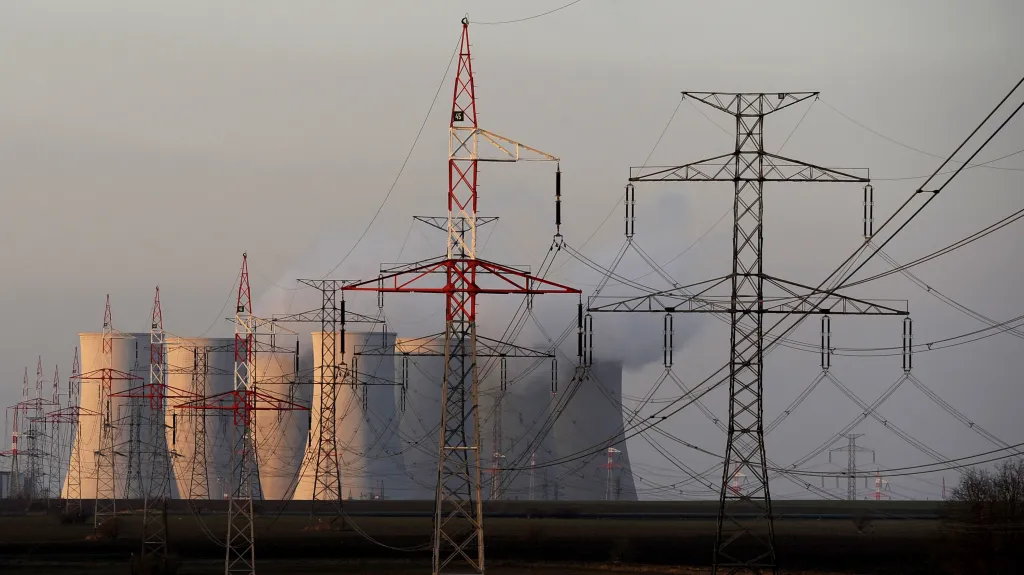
(109, 374)
(156, 391)
(817, 301)
(812, 301)
(231, 400)
(463, 140)
(69, 414)
(467, 272)
(748, 166)
(750, 103)
(433, 345)
(316, 315)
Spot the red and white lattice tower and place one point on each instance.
(737, 481)
(880, 486)
(240, 549)
(17, 480)
(458, 509)
(609, 467)
(105, 499)
(243, 402)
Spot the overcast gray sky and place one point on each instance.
(146, 143)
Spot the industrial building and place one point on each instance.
(592, 413)
(203, 366)
(367, 420)
(384, 451)
(419, 424)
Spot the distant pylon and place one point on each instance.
(851, 450)
(154, 509)
(36, 455)
(609, 484)
(73, 500)
(105, 501)
(17, 481)
(880, 485)
(55, 451)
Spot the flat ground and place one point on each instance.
(563, 539)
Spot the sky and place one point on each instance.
(151, 143)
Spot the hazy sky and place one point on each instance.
(146, 143)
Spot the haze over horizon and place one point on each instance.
(148, 143)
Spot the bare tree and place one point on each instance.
(986, 519)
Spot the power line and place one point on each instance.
(535, 16)
(908, 146)
(404, 163)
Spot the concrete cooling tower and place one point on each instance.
(185, 372)
(525, 408)
(281, 435)
(592, 419)
(131, 419)
(369, 446)
(420, 424)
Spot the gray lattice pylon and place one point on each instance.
(745, 533)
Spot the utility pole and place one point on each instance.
(745, 541)
(458, 507)
(851, 450)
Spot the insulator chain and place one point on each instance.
(380, 291)
(908, 344)
(558, 201)
(404, 380)
(869, 212)
(588, 339)
(504, 374)
(579, 332)
(826, 343)
(554, 376)
(174, 428)
(630, 210)
(340, 349)
(668, 338)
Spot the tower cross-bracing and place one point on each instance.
(458, 509)
(243, 402)
(745, 533)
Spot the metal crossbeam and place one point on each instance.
(460, 276)
(808, 301)
(745, 541)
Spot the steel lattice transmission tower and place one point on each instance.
(334, 372)
(745, 538)
(852, 450)
(243, 402)
(105, 502)
(56, 452)
(240, 550)
(154, 509)
(66, 421)
(458, 508)
(17, 480)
